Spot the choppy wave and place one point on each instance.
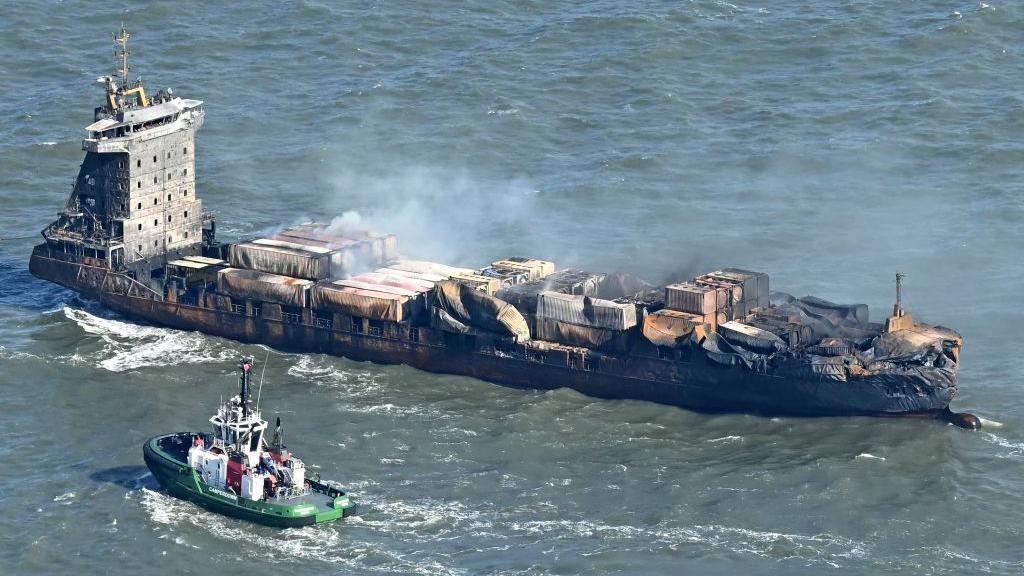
(129, 346)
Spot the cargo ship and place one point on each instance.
(133, 236)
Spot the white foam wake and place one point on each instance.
(128, 346)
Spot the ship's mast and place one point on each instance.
(897, 309)
(122, 53)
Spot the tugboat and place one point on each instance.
(234, 471)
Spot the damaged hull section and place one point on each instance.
(689, 381)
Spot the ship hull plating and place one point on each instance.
(695, 385)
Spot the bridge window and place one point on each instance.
(140, 184)
(168, 217)
(140, 226)
(185, 173)
(138, 163)
(155, 222)
(154, 159)
(140, 248)
(140, 205)
(168, 197)
(168, 175)
(168, 154)
(186, 233)
(154, 179)
(186, 213)
(154, 201)
(184, 150)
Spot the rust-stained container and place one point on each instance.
(263, 287)
(695, 299)
(363, 300)
(283, 258)
(669, 327)
(732, 288)
(586, 311)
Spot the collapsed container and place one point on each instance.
(671, 327)
(263, 287)
(751, 337)
(457, 307)
(506, 276)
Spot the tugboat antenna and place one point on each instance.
(262, 374)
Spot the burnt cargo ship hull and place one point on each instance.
(693, 383)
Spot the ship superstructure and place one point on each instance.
(133, 237)
(134, 200)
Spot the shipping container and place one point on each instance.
(413, 284)
(689, 297)
(308, 262)
(586, 311)
(205, 260)
(435, 278)
(364, 303)
(424, 267)
(670, 327)
(733, 290)
(483, 283)
(585, 336)
(536, 269)
(263, 287)
(751, 337)
(763, 284)
(506, 276)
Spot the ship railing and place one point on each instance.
(321, 322)
(291, 318)
(238, 308)
(285, 492)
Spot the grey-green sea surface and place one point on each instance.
(829, 143)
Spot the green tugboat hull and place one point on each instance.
(166, 457)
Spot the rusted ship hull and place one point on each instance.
(694, 384)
